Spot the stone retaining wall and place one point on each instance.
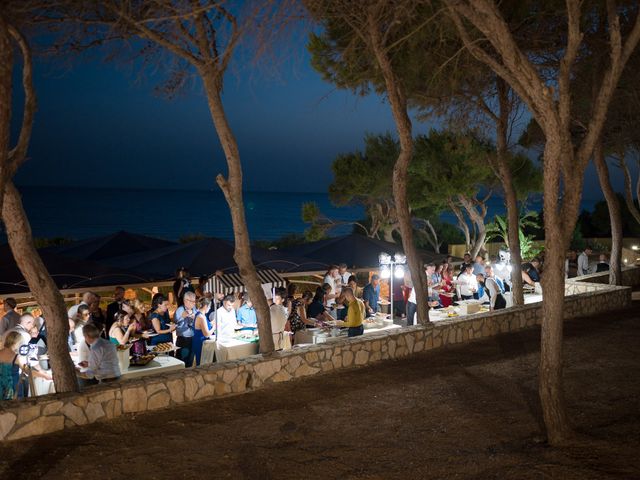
(630, 277)
(40, 415)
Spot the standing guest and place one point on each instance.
(98, 317)
(371, 295)
(603, 263)
(246, 315)
(330, 279)
(583, 262)
(226, 321)
(11, 318)
(123, 329)
(279, 325)
(160, 321)
(202, 328)
(489, 273)
(412, 303)
(491, 288)
(344, 274)
(466, 260)
(467, 284)
(202, 290)
(139, 316)
(316, 308)
(87, 299)
(10, 365)
(82, 318)
(571, 265)
(182, 285)
(478, 265)
(114, 307)
(26, 327)
(446, 287)
(103, 365)
(355, 314)
(298, 317)
(531, 272)
(185, 318)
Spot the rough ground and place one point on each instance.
(470, 412)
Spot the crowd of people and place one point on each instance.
(198, 314)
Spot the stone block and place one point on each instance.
(26, 414)
(229, 375)
(51, 408)
(80, 401)
(222, 388)
(206, 391)
(266, 369)
(311, 358)
(362, 357)
(7, 421)
(74, 413)
(337, 361)
(176, 390)
(347, 359)
(94, 411)
(102, 397)
(39, 426)
(305, 370)
(190, 388)
(281, 376)
(134, 399)
(154, 387)
(162, 399)
(327, 366)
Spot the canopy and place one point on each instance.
(232, 282)
(356, 251)
(66, 273)
(109, 246)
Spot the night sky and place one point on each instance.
(101, 124)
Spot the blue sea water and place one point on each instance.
(83, 213)
(79, 213)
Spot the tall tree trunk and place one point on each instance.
(615, 215)
(398, 103)
(6, 77)
(550, 381)
(462, 225)
(43, 287)
(511, 199)
(232, 189)
(480, 229)
(628, 189)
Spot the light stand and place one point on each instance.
(391, 267)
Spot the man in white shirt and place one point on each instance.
(344, 274)
(226, 322)
(467, 284)
(87, 299)
(103, 358)
(583, 262)
(330, 278)
(279, 318)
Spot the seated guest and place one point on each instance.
(247, 314)
(185, 318)
(467, 284)
(491, 288)
(371, 295)
(160, 321)
(298, 317)
(603, 264)
(202, 328)
(279, 326)
(355, 314)
(225, 321)
(103, 364)
(478, 266)
(10, 365)
(531, 272)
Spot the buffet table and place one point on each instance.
(160, 364)
(317, 335)
(229, 349)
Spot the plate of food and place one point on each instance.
(163, 348)
(140, 361)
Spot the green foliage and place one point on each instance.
(317, 229)
(577, 240)
(288, 240)
(498, 230)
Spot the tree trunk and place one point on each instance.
(6, 72)
(433, 238)
(628, 189)
(232, 189)
(480, 228)
(43, 288)
(398, 103)
(615, 215)
(551, 387)
(462, 225)
(510, 197)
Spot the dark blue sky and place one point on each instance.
(102, 125)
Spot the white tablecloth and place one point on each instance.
(314, 335)
(161, 364)
(227, 350)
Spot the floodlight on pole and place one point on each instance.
(390, 267)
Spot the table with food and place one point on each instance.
(331, 331)
(243, 344)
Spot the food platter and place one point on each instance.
(141, 360)
(166, 347)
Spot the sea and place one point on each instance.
(77, 213)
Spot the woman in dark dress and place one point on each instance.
(298, 316)
(160, 320)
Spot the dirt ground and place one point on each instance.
(470, 411)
